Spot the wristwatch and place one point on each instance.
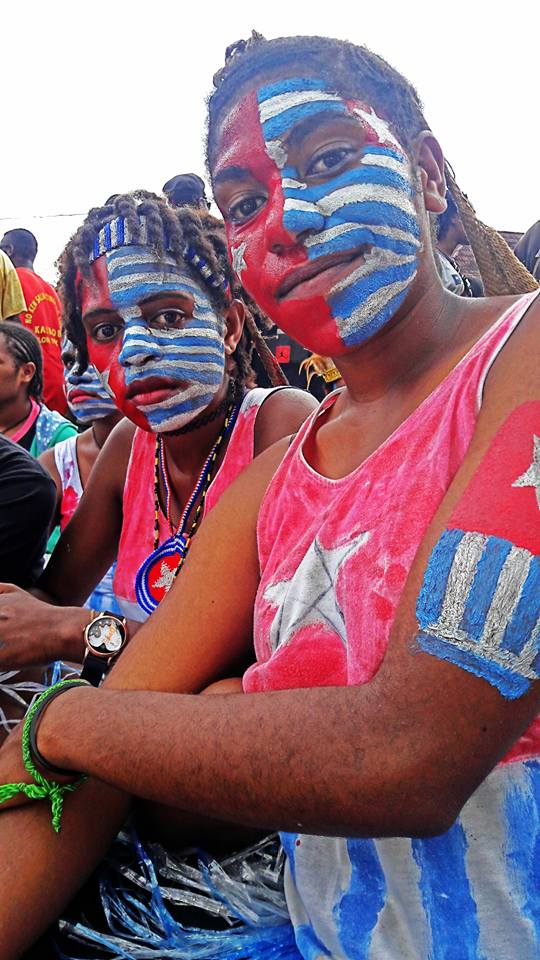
(104, 637)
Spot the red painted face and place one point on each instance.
(318, 200)
(270, 252)
(104, 355)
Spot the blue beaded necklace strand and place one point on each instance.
(159, 571)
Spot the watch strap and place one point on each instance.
(94, 668)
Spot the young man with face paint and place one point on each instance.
(393, 739)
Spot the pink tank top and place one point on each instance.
(335, 554)
(137, 537)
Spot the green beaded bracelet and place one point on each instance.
(42, 788)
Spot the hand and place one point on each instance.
(33, 632)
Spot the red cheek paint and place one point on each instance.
(270, 251)
(95, 295)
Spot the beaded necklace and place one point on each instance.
(159, 571)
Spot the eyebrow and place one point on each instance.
(151, 298)
(305, 127)
(231, 174)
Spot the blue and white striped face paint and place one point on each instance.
(343, 199)
(87, 398)
(165, 360)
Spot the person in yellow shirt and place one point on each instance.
(12, 301)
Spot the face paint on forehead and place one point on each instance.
(161, 378)
(368, 210)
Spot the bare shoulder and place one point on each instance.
(112, 462)
(281, 415)
(515, 374)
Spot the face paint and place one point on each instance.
(86, 396)
(330, 257)
(479, 606)
(160, 377)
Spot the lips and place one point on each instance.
(80, 396)
(317, 276)
(153, 390)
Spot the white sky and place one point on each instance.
(108, 95)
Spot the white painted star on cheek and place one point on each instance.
(104, 377)
(310, 596)
(238, 262)
(531, 477)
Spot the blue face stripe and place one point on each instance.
(357, 911)
(364, 212)
(162, 414)
(291, 85)
(344, 302)
(376, 322)
(120, 269)
(522, 811)
(210, 369)
(446, 895)
(526, 614)
(357, 237)
(431, 596)
(484, 585)
(359, 175)
(91, 410)
(276, 126)
(123, 299)
(165, 342)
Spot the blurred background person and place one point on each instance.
(42, 314)
(70, 462)
(186, 190)
(528, 250)
(451, 235)
(12, 301)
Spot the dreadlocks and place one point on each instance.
(356, 72)
(23, 347)
(173, 229)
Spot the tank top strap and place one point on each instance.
(65, 458)
(241, 447)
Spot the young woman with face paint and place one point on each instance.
(395, 618)
(71, 461)
(151, 301)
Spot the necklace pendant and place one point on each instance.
(158, 572)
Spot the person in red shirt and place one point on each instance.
(42, 315)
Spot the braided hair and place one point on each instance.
(170, 230)
(355, 72)
(24, 347)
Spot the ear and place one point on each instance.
(234, 323)
(430, 162)
(27, 372)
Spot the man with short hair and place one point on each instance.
(11, 296)
(43, 313)
(186, 190)
(528, 250)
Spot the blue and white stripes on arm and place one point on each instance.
(479, 608)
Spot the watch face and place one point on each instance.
(105, 636)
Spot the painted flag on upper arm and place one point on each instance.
(479, 606)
